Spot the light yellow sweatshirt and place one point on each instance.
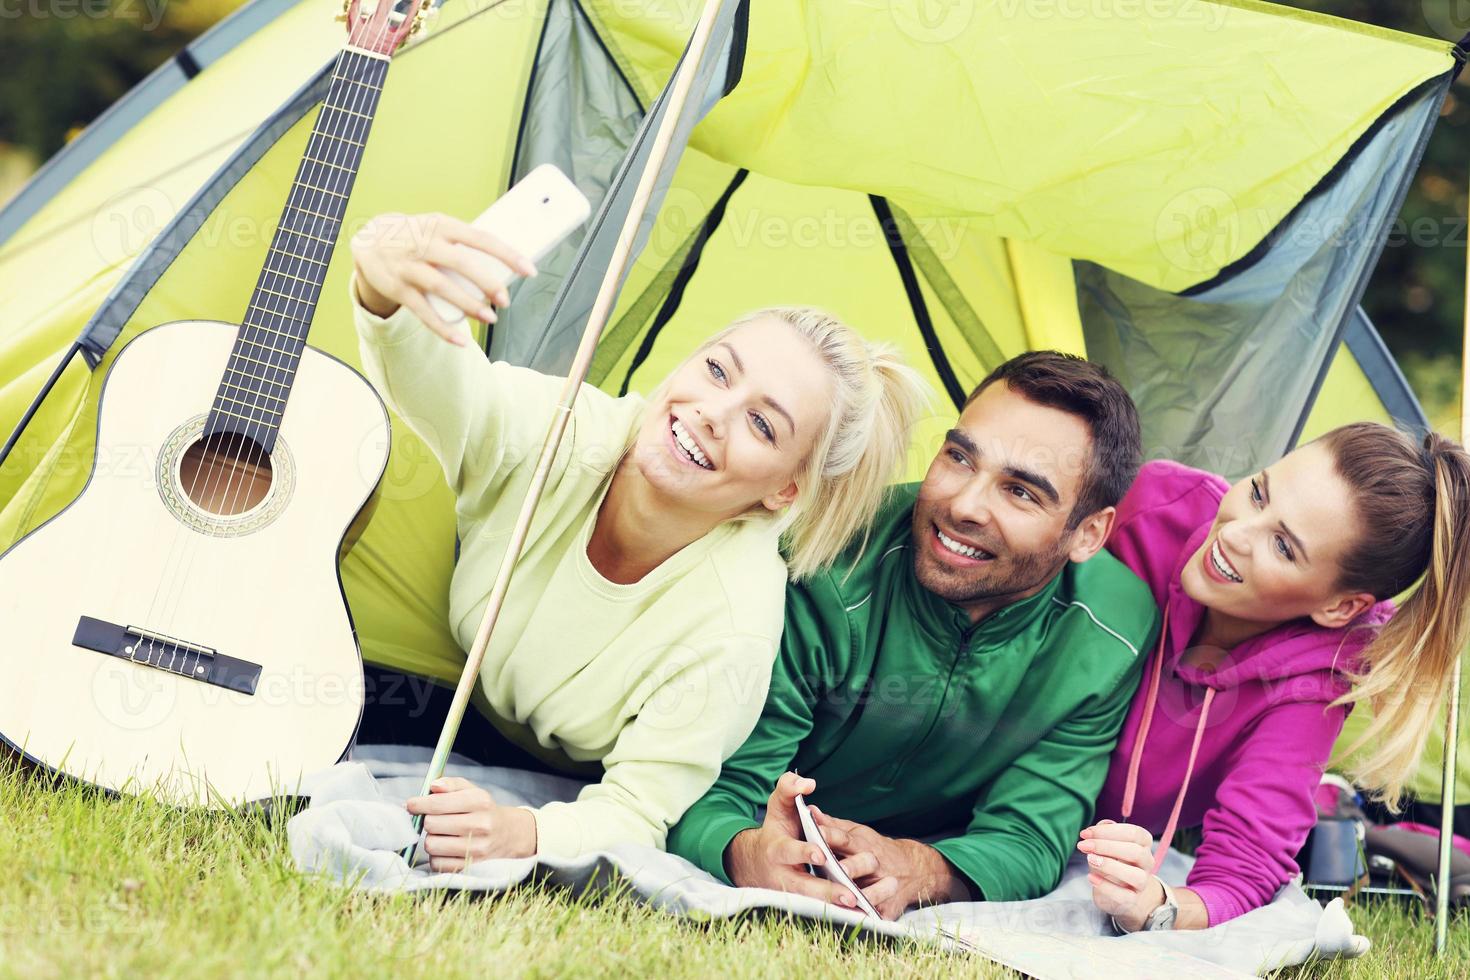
(660, 680)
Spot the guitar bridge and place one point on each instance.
(168, 653)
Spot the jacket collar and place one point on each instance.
(948, 624)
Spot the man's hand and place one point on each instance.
(774, 855)
(465, 825)
(1120, 867)
(894, 874)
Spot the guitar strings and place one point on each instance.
(310, 172)
(312, 248)
(211, 467)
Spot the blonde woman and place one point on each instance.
(1277, 620)
(640, 629)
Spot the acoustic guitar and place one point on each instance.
(180, 628)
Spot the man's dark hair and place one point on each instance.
(1079, 387)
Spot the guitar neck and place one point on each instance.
(257, 383)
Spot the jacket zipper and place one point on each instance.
(959, 658)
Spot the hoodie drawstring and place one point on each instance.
(1130, 789)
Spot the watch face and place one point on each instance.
(1162, 918)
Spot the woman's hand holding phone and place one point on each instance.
(400, 260)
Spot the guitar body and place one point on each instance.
(180, 628)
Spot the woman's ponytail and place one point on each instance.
(1413, 506)
(865, 452)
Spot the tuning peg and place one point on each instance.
(346, 12)
(428, 12)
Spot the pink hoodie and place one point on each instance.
(1258, 726)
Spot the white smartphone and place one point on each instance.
(533, 217)
(832, 870)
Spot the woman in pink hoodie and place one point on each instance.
(1276, 620)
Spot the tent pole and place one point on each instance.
(1447, 816)
(1452, 710)
(679, 89)
(25, 419)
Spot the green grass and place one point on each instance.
(100, 886)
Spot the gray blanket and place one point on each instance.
(356, 826)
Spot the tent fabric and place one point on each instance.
(1109, 136)
(1364, 383)
(1002, 183)
(1196, 369)
(557, 333)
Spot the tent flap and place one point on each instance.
(1197, 364)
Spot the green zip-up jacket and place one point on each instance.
(920, 724)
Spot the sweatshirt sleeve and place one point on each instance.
(1025, 824)
(690, 716)
(1263, 809)
(814, 638)
(479, 418)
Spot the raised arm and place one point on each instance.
(477, 418)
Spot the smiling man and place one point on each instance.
(963, 678)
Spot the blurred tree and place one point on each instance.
(62, 62)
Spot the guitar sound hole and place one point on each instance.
(226, 474)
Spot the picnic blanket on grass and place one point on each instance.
(356, 827)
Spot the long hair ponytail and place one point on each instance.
(1413, 509)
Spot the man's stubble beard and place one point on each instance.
(1025, 573)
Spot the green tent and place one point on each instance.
(1194, 193)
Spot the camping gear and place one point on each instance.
(1415, 856)
(1195, 196)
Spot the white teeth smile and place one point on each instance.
(961, 549)
(1221, 565)
(691, 448)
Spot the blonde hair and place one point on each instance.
(875, 401)
(1413, 510)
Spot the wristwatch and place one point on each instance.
(1161, 918)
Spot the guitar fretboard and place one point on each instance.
(257, 381)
